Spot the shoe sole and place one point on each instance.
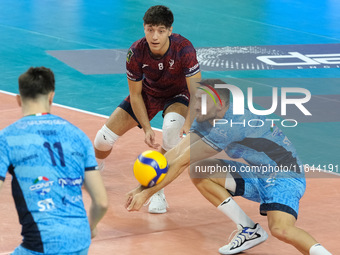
(246, 248)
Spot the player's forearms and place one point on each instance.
(140, 112)
(97, 212)
(174, 171)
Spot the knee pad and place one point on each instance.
(172, 125)
(105, 139)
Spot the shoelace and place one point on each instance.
(159, 197)
(237, 238)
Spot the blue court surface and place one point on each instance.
(251, 43)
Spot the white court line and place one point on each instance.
(73, 109)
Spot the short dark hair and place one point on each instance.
(223, 93)
(159, 15)
(36, 81)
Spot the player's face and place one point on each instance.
(208, 104)
(157, 38)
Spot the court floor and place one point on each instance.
(250, 43)
(191, 226)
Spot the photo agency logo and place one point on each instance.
(239, 107)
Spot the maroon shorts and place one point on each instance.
(155, 104)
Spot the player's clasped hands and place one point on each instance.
(135, 199)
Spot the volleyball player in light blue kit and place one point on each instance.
(271, 172)
(49, 160)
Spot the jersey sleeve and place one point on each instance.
(189, 60)
(218, 137)
(204, 130)
(133, 64)
(4, 158)
(90, 159)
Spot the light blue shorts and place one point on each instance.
(275, 191)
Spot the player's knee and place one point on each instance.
(282, 232)
(105, 139)
(172, 125)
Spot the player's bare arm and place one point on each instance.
(190, 149)
(95, 187)
(192, 83)
(139, 109)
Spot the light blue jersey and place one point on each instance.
(273, 175)
(47, 157)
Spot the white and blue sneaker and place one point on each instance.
(157, 203)
(245, 239)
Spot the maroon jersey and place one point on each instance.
(164, 77)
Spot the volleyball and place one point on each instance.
(150, 168)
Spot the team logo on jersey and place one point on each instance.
(270, 181)
(129, 55)
(171, 63)
(42, 185)
(160, 66)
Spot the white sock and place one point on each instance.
(230, 208)
(318, 249)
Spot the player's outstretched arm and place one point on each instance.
(95, 187)
(191, 149)
(139, 109)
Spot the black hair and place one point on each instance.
(158, 15)
(36, 81)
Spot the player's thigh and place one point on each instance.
(208, 169)
(178, 108)
(120, 121)
(280, 219)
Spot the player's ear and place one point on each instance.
(50, 97)
(170, 30)
(18, 98)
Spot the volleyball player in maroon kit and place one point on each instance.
(160, 67)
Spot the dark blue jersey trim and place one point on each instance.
(264, 208)
(91, 168)
(274, 151)
(30, 231)
(2, 178)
